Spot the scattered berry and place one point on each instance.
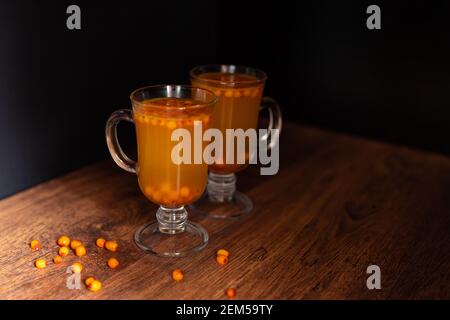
(63, 251)
(113, 263)
(80, 251)
(40, 263)
(177, 275)
(221, 259)
(88, 281)
(111, 245)
(63, 241)
(230, 292)
(57, 259)
(100, 242)
(77, 267)
(35, 245)
(223, 252)
(75, 243)
(95, 286)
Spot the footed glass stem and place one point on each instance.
(171, 234)
(221, 199)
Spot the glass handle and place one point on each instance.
(116, 151)
(275, 121)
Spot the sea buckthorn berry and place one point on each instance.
(63, 251)
(237, 94)
(247, 92)
(255, 92)
(100, 242)
(40, 263)
(80, 251)
(157, 196)
(205, 119)
(88, 281)
(223, 252)
(113, 263)
(57, 259)
(77, 267)
(177, 275)
(64, 241)
(229, 93)
(221, 259)
(111, 245)
(184, 191)
(230, 292)
(75, 243)
(95, 286)
(171, 124)
(218, 92)
(35, 245)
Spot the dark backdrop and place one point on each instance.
(57, 87)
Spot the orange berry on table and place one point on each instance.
(89, 280)
(63, 251)
(95, 285)
(77, 267)
(111, 245)
(57, 259)
(100, 242)
(40, 263)
(177, 275)
(230, 292)
(223, 252)
(75, 243)
(64, 241)
(80, 251)
(221, 259)
(113, 263)
(35, 245)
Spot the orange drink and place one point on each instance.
(161, 180)
(163, 175)
(240, 98)
(238, 107)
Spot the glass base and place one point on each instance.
(171, 235)
(221, 200)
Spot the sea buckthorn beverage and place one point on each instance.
(158, 111)
(239, 90)
(160, 179)
(238, 107)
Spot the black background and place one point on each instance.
(58, 86)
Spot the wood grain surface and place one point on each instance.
(337, 205)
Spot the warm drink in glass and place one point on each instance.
(157, 112)
(239, 90)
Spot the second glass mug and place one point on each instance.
(239, 90)
(157, 111)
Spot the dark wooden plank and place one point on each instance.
(338, 204)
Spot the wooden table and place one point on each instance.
(337, 205)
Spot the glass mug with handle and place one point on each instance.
(239, 90)
(156, 112)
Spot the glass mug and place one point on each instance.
(239, 90)
(157, 111)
